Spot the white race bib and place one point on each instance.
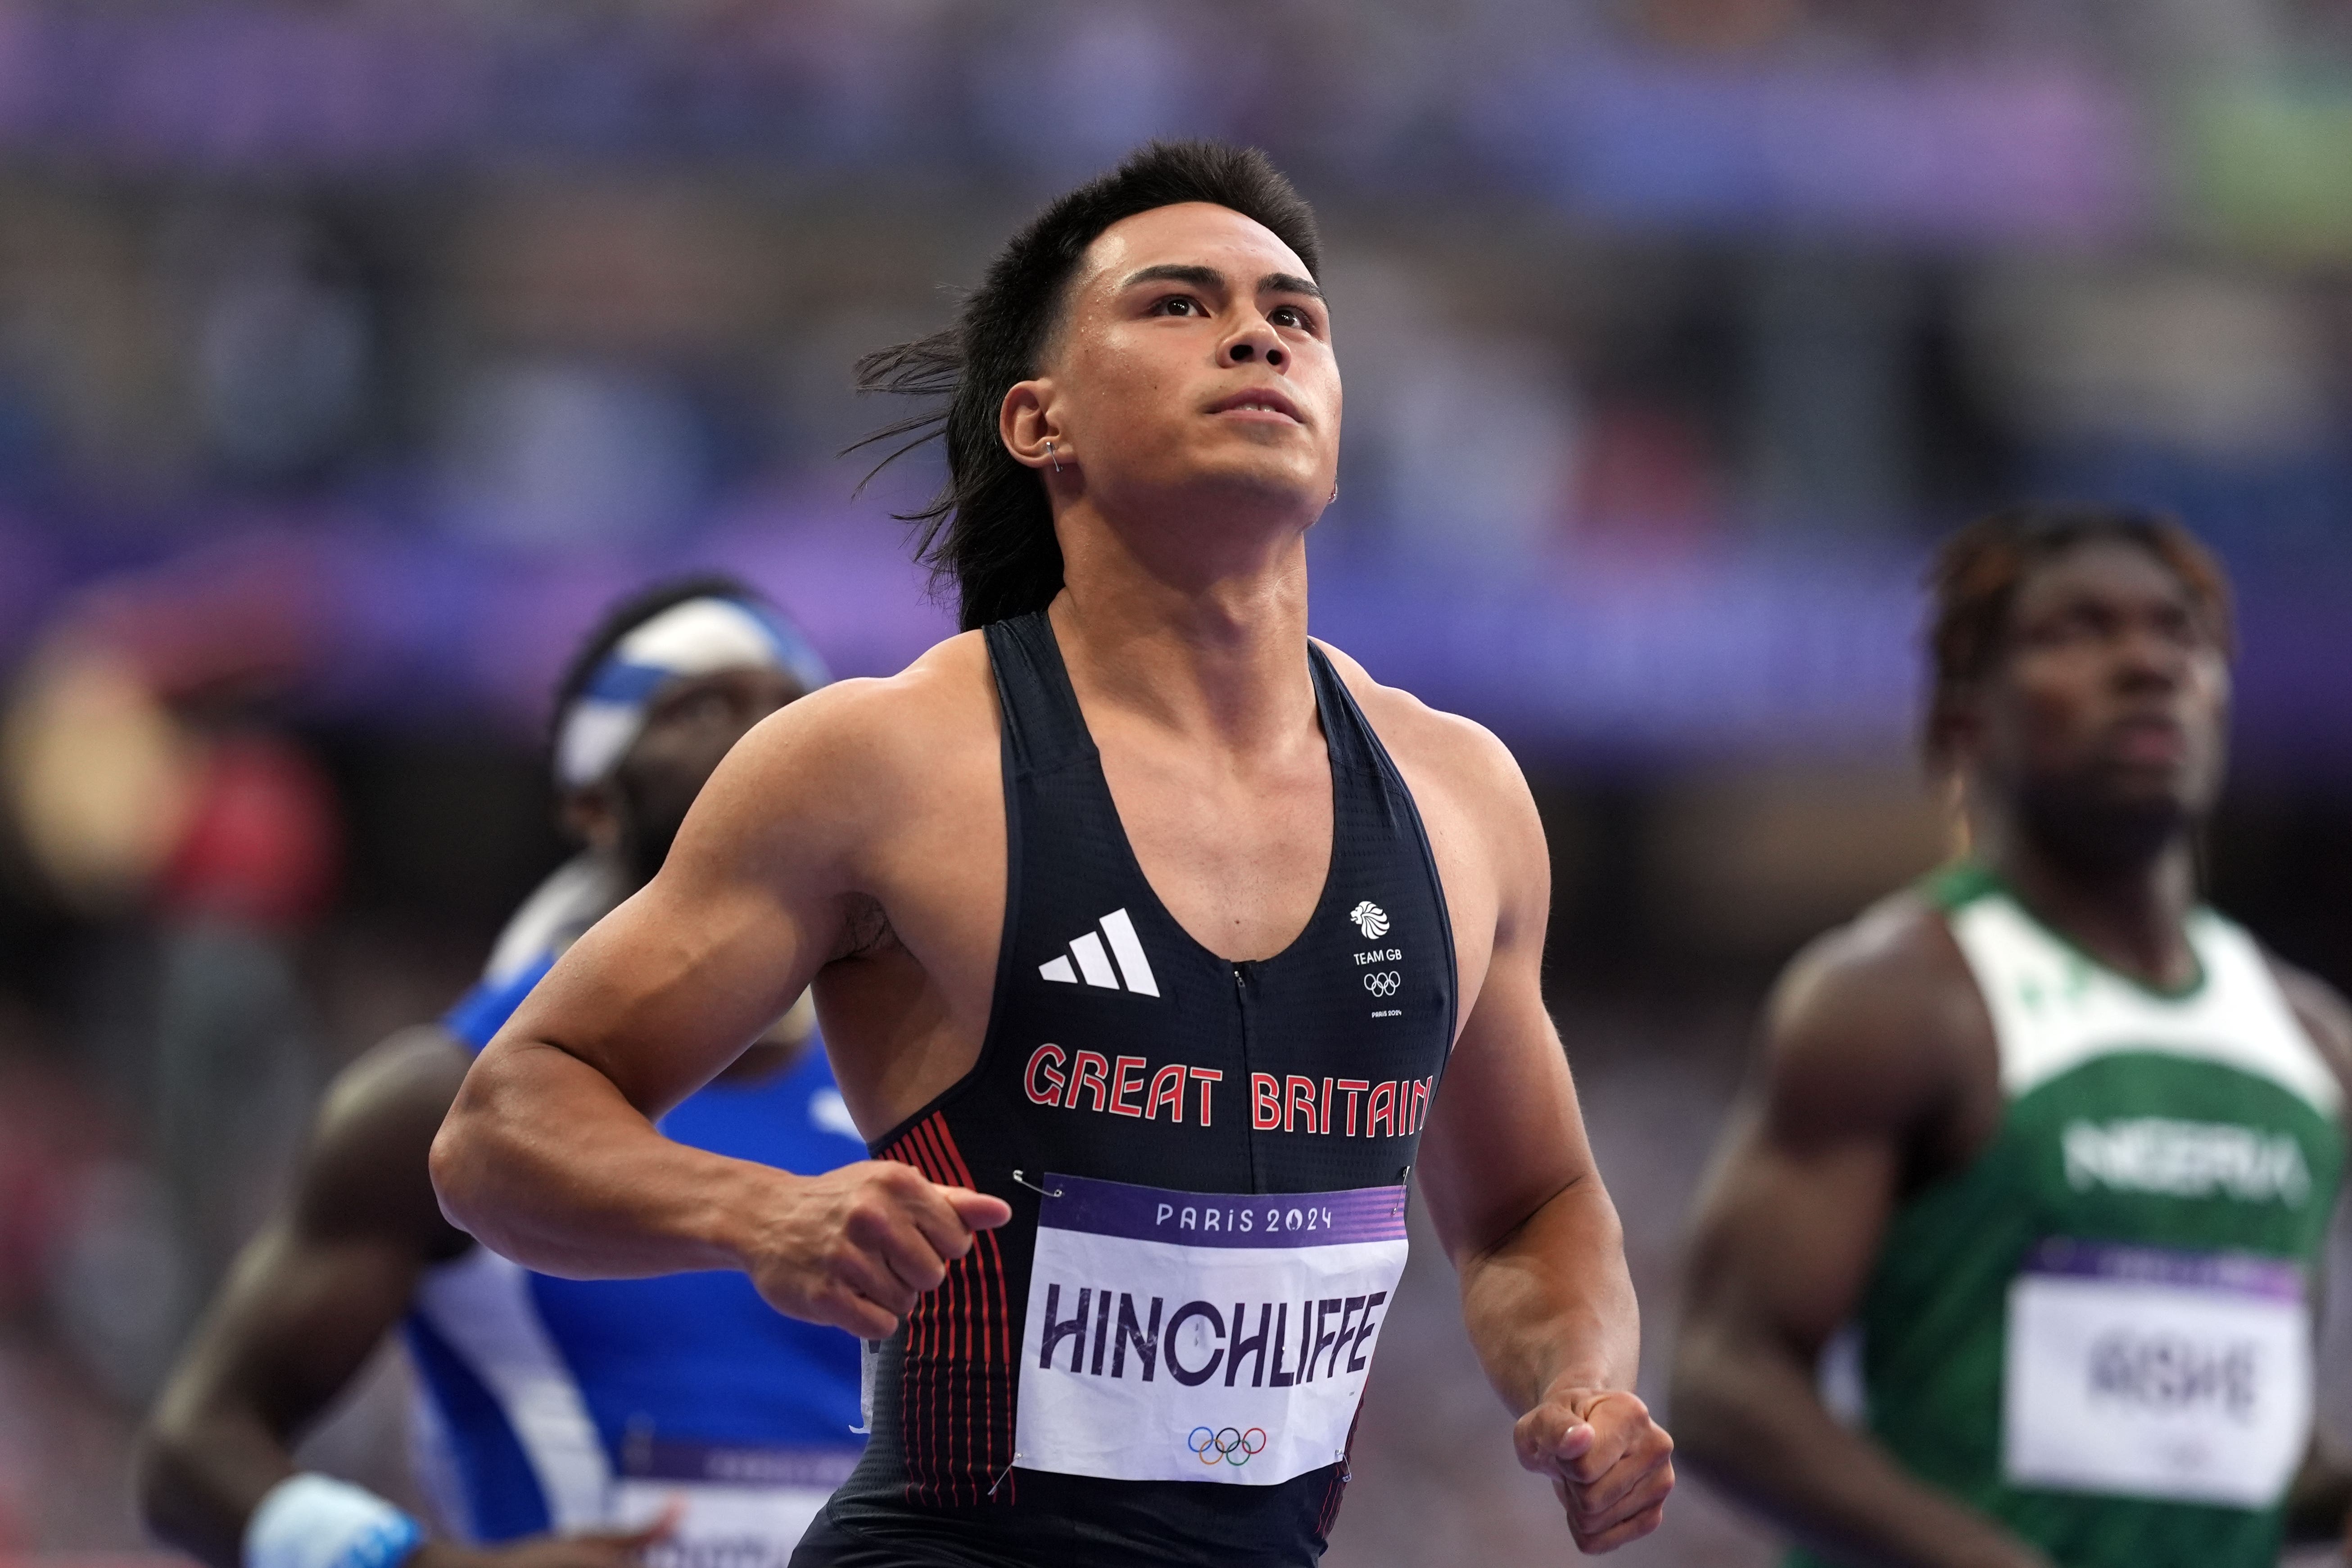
(740, 1507)
(1201, 1336)
(2174, 1376)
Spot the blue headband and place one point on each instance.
(700, 636)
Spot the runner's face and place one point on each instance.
(691, 726)
(1195, 353)
(2112, 692)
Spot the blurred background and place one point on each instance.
(353, 355)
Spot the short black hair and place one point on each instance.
(627, 615)
(990, 531)
(1976, 577)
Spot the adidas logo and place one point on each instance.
(1094, 964)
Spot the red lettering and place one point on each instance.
(1421, 1103)
(1205, 1078)
(1052, 1077)
(1299, 1096)
(1122, 1087)
(1323, 1123)
(1382, 1111)
(1352, 1088)
(1167, 1089)
(1091, 1070)
(1265, 1101)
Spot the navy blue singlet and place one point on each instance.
(1126, 1070)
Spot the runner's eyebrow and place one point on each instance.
(1209, 278)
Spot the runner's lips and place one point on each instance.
(2150, 739)
(1267, 398)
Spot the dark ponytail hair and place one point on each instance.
(990, 531)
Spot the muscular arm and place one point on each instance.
(1516, 1197)
(551, 1155)
(308, 1301)
(1859, 1078)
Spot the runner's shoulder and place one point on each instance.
(865, 732)
(365, 1169)
(1462, 755)
(407, 1076)
(1872, 1021)
(2322, 1011)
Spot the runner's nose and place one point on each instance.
(1258, 342)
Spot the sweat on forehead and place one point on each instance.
(1201, 244)
(1171, 193)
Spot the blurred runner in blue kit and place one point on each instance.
(561, 1424)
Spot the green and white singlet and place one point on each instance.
(2099, 1332)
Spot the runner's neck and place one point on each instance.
(1227, 665)
(2135, 921)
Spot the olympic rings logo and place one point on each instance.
(1226, 1446)
(1383, 983)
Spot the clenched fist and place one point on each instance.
(855, 1247)
(1610, 1465)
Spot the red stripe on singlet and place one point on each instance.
(1001, 1449)
(918, 1332)
(989, 1327)
(998, 1326)
(939, 1346)
(960, 1289)
(955, 1308)
(972, 1317)
(956, 1323)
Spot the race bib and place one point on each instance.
(2177, 1376)
(740, 1507)
(1201, 1336)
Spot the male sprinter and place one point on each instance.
(2060, 1139)
(1155, 944)
(559, 1418)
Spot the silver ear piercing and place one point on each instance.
(1050, 458)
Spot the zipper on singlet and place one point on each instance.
(1240, 1004)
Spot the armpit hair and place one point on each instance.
(865, 929)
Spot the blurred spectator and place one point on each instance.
(153, 793)
(282, 353)
(571, 455)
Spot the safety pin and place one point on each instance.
(1002, 1473)
(1020, 1180)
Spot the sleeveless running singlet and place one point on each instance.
(2099, 1333)
(1158, 1360)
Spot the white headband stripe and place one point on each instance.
(700, 636)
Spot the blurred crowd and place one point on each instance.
(1714, 308)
